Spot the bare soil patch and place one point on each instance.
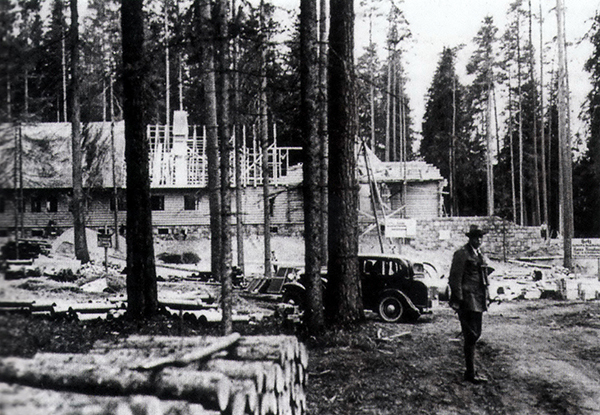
(541, 357)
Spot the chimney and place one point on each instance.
(180, 135)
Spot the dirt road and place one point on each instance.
(540, 357)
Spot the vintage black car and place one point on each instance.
(25, 249)
(389, 288)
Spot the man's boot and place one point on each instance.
(470, 375)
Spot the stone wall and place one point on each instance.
(503, 240)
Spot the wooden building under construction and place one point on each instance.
(36, 181)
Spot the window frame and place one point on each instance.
(190, 202)
(157, 202)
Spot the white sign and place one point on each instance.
(586, 247)
(400, 228)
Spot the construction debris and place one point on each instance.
(200, 311)
(539, 281)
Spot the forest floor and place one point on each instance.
(540, 356)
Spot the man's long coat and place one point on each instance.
(468, 280)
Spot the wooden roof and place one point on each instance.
(46, 155)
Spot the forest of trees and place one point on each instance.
(502, 155)
(497, 139)
(519, 181)
(35, 69)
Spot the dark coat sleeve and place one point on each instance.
(456, 275)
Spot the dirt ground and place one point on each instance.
(540, 356)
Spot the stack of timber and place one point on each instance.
(256, 375)
(110, 308)
(198, 310)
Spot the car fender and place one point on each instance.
(400, 294)
(293, 285)
(294, 291)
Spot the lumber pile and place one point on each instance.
(228, 375)
(109, 308)
(197, 310)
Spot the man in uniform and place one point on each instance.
(469, 295)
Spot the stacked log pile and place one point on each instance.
(228, 375)
(197, 310)
(110, 308)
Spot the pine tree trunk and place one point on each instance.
(64, 73)
(520, 98)
(323, 124)
(394, 137)
(512, 151)
(212, 140)
(238, 152)
(142, 296)
(451, 156)
(545, 216)
(388, 107)
(343, 295)
(226, 149)
(26, 91)
(264, 143)
(113, 154)
(371, 87)
(372, 112)
(20, 197)
(77, 202)
(18, 189)
(536, 171)
(490, 167)
(167, 71)
(403, 142)
(565, 142)
(311, 165)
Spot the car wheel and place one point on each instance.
(293, 297)
(390, 308)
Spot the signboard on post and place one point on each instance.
(400, 228)
(104, 240)
(586, 247)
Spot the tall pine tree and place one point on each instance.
(482, 64)
(587, 171)
(446, 111)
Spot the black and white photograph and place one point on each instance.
(299, 207)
